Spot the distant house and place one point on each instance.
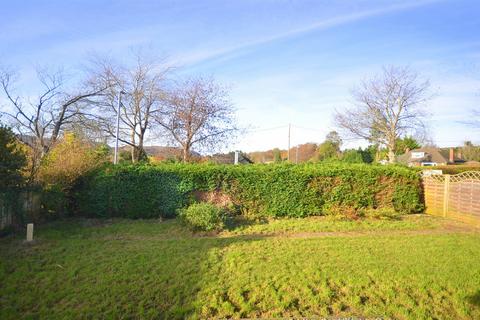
(431, 156)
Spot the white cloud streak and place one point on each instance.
(204, 55)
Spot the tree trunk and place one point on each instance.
(186, 153)
(140, 154)
(391, 153)
(134, 158)
(132, 153)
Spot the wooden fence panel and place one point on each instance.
(27, 204)
(434, 194)
(6, 217)
(456, 196)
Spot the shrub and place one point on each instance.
(352, 156)
(203, 217)
(53, 203)
(68, 160)
(279, 190)
(62, 167)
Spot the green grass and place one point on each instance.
(428, 269)
(332, 224)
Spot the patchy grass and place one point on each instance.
(430, 268)
(334, 224)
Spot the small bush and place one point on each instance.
(203, 217)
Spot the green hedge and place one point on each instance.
(454, 169)
(146, 191)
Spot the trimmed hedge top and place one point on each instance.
(146, 191)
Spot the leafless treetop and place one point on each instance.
(387, 107)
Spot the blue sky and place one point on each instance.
(285, 61)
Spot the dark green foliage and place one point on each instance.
(357, 156)
(352, 156)
(203, 217)
(54, 202)
(373, 154)
(407, 143)
(145, 191)
(406, 199)
(130, 191)
(12, 160)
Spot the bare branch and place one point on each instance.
(387, 107)
(43, 119)
(144, 84)
(198, 114)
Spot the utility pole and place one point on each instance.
(288, 155)
(115, 157)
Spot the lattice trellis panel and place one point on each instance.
(465, 176)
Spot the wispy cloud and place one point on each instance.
(220, 53)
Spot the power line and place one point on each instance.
(266, 129)
(293, 126)
(311, 129)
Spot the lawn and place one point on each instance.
(418, 267)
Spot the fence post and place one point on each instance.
(30, 232)
(446, 194)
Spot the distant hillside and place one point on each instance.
(160, 153)
(229, 158)
(301, 153)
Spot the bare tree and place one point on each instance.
(41, 120)
(143, 85)
(198, 114)
(387, 107)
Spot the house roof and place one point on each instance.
(432, 154)
(457, 157)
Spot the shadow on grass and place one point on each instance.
(102, 277)
(474, 299)
(237, 222)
